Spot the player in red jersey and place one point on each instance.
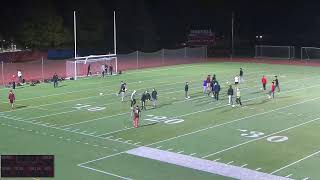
(264, 82)
(11, 98)
(271, 92)
(208, 81)
(136, 116)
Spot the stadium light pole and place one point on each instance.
(232, 35)
(75, 33)
(114, 33)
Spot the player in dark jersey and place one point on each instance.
(216, 90)
(121, 86)
(11, 98)
(277, 85)
(55, 79)
(89, 70)
(143, 101)
(110, 69)
(186, 89)
(154, 97)
(241, 75)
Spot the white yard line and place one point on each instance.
(263, 137)
(115, 115)
(72, 131)
(291, 164)
(112, 155)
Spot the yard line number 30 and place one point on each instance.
(257, 134)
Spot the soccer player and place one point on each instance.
(277, 83)
(19, 73)
(214, 77)
(211, 89)
(230, 95)
(241, 75)
(238, 100)
(136, 116)
(204, 87)
(106, 69)
(236, 80)
(89, 70)
(264, 82)
(271, 92)
(143, 101)
(216, 91)
(55, 79)
(110, 69)
(13, 81)
(148, 97)
(121, 86)
(186, 89)
(11, 98)
(123, 91)
(154, 97)
(208, 81)
(133, 98)
(103, 69)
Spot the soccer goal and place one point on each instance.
(276, 52)
(310, 53)
(94, 65)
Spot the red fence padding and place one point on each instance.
(33, 70)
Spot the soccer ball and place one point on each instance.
(269, 97)
(140, 81)
(101, 94)
(233, 105)
(261, 89)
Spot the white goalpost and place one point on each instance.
(80, 65)
(276, 52)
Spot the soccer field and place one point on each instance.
(92, 137)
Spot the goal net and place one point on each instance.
(92, 65)
(310, 53)
(276, 52)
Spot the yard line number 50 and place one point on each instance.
(89, 107)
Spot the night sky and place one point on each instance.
(153, 24)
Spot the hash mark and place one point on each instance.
(289, 175)
(244, 165)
